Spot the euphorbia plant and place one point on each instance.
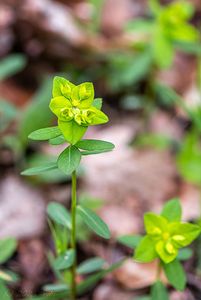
(76, 110)
(165, 237)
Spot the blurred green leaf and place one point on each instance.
(130, 241)
(175, 274)
(4, 292)
(159, 291)
(55, 287)
(172, 210)
(9, 276)
(59, 214)
(57, 140)
(37, 114)
(41, 169)
(10, 65)
(184, 254)
(8, 113)
(7, 249)
(90, 265)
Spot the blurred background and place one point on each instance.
(144, 58)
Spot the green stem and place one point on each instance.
(73, 233)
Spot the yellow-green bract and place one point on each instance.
(166, 234)
(74, 107)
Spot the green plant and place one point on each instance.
(7, 248)
(165, 237)
(168, 26)
(76, 109)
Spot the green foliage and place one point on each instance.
(131, 241)
(94, 222)
(8, 112)
(159, 291)
(91, 265)
(175, 274)
(38, 170)
(65, 260)
(45, 134)
(69, 160)
(11, 65)
(184, 254)
(36, 115)
(168, 25)
(126, 70)
(73, 106)
(7, 248)
(59, 214)
(189, 158)
(172, 210)
(94, 146)
(4, 292)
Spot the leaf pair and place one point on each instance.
(69, 159)
(60, 215)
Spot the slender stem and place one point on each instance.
(73, 233)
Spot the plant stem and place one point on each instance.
(158, 273)
(73, 233)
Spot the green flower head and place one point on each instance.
(75, 108)
(173, 20)
(166, 234)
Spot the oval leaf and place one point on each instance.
(59, 214)
(131, 241)
(55, 287)
(91, 265)
(57, 140)
(40, 169)
(95, 146)
(65, 260)
(175, 274)
(7, 248)
(159, 291)
(4, 292)
(172, 210)
(45, 134)
(94, 222)
(69, 160)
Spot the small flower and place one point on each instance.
(165, 236)
(73, 105)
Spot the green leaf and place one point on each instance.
(65, 261)
(72, 131)
(40, 169)
(145, 251)
(4, 292)
(8, 113)
(140, 25)
(59, 214)
(95, 146)
(159, 291)
(69, 160)
(92, 280)
(97, 103)
(55, 287)
(185, 254)
(154, 223)
(45, 134)
(91, 265)
(7, 249)
(162, 50)
(189, 232)
(57, 140)
(94, 222)
(175, 274)
(10, 65)
(131, 241)
(172, 210)
(36, 115)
